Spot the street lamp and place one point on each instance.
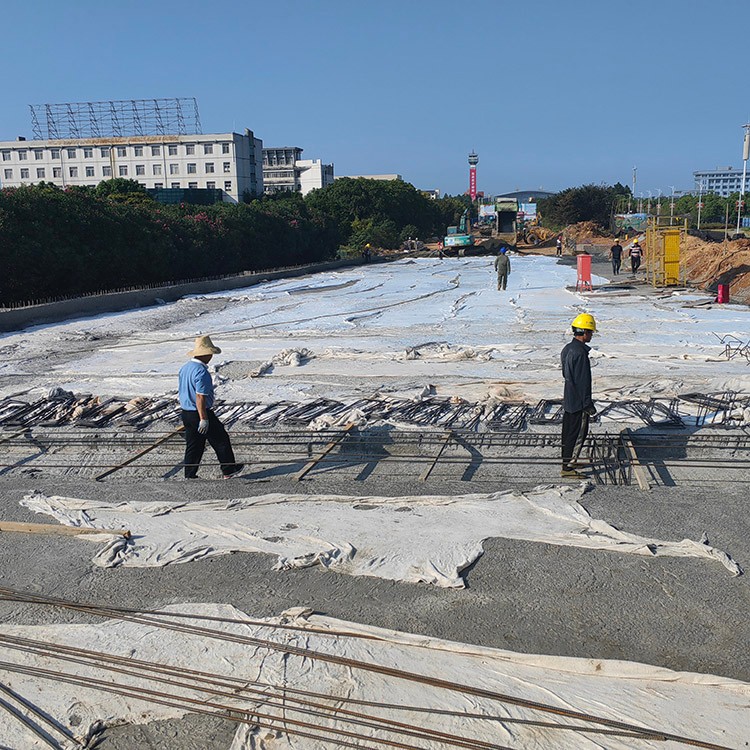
(745, 155)
(700, 201)
(671, 208)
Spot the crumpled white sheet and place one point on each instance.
(697, 706)
(424, 538)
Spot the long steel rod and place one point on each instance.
(365, 666)
(236, 684)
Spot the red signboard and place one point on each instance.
(473, 183)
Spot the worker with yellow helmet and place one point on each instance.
(578, 406)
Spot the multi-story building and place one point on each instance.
(285, 171)
(230, 162)
(722, 181)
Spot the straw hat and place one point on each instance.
(203, 346)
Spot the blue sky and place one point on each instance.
(549, 93)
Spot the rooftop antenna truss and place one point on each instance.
(131, 117)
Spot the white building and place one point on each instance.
(226, 161)
(722, 181)
(285, 171)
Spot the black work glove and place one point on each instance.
(590, 410)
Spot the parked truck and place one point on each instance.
(507, 220)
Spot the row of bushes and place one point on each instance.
(56, 242)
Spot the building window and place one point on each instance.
(22, 156)
(89, 171)
(122, 151)
(224, 148)
(88, 152)
(57, 172)
(174, 169)
(211, 185)
(192, 168)
(138, 150)
(208, 148)
(227, 167)
(73, 171)
(38, 154)
(122, 170)
(172, 149)
(192, 185)
(190, 149)
(104, 151)
(159, 185)
(157, 168)
(8, 174)
(6, 155)
(40, 173)
(107, 171)
(175, 185)
(24, 174)
(210, 167)
(155, 150)
(71, 153)
(140, 168)
(228, 185)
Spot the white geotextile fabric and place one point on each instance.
(428, 539)
(696, 706)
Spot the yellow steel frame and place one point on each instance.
(662, 252)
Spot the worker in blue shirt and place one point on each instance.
(196, 392)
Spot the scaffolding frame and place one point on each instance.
(115, 119)
(663, 257)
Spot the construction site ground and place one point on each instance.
(680, 613)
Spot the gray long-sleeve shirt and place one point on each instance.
(576, 370)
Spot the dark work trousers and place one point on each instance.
(575, 429)
(195, 443)
(635, 262)
(616, 263)
(502, 280)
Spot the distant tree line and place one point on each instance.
(58, 242)
(585, 203)
(599, 202)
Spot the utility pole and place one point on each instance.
(745, 155)
(726, 223)
(700, 201)
(648, 206)
(635, 169)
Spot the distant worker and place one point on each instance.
(615, 253)
(367, 253)
(635, 253)
(196, 391)
(502, 266)
(558, 245)
(578, 406)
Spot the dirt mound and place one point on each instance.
(709, 264)
(585, 230)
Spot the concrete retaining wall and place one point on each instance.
(81, 307)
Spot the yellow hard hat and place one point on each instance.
(585, 322)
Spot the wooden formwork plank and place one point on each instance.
(333, 444)
(640, 474)
(426, 473)
(55, 528)
(159, 442)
